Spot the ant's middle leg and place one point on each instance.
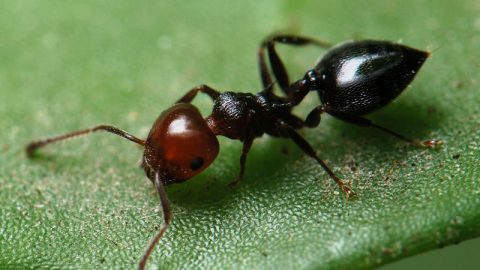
(247, 140)
(276, 64)
(190, 95)
(243, 159)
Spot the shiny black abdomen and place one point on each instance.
(359, 77)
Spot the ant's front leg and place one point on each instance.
(190, 95)
(167, 218)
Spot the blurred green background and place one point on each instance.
(84, 204)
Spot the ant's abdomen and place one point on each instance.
(360, 77)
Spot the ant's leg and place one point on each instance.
(190, 95)
(167, 218)
(276, 64)
(307, 149)
(363, 122)
(264, 72)
(313, 118)
(33, 146)
(247, 143)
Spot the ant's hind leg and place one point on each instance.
(265, 76)
(190, 95)
(307, 149)
(363, 122)
(313, 118)
(278, 69)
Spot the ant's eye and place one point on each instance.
(180, 143)
(196, 163)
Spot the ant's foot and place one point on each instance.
(347, 189)
(234, 183)
(430, 143)
(31, 149)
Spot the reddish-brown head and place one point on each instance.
(180, 145)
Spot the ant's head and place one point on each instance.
(180, 145)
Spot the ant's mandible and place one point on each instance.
(182, 143)
(352, 79)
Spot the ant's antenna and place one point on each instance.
(33, 146)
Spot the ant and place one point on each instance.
(181, 143)
(352, 79)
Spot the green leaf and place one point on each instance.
(85, 204)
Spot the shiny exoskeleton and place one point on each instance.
(182, 143)
(352, 79)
